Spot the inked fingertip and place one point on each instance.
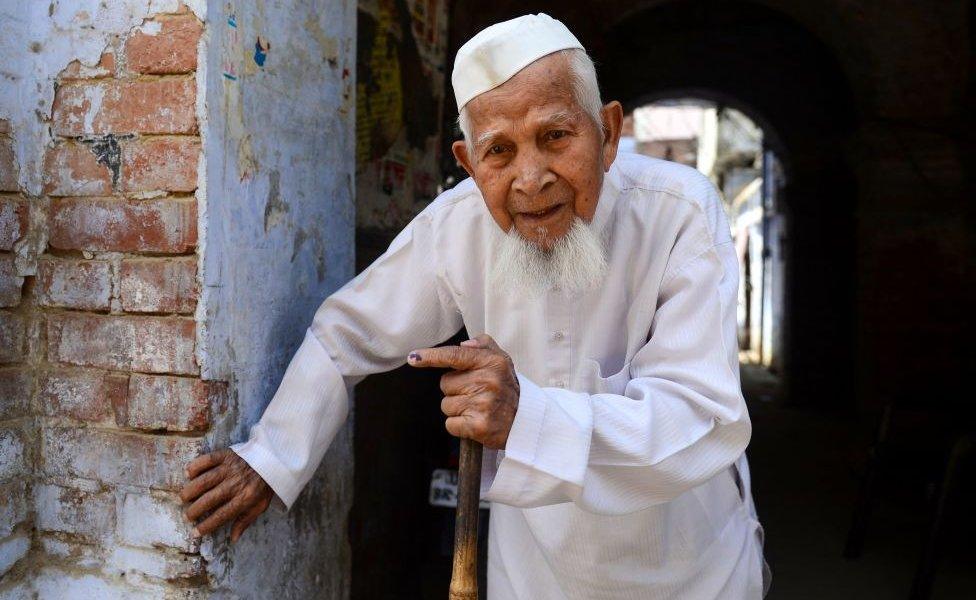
(413, 357)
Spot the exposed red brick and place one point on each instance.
(15, 392)
(12, 337)
(83, 284)
(148, 344)
(169, 164)
(170, 403)
(164, 45)
(81, 394)
(159, 285)
(10, 282)
(159, 225)
(8, 166)
(73, 170)
(76, 70)
(125, 106)
(13, 221)
(115, 457)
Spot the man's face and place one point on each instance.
(537, 157)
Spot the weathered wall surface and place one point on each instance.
(400, 89)
(16, 426)
(278, 234)
(143, 319)
(102, 398)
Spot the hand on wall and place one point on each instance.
(223, 488)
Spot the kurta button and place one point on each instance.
(557, 335)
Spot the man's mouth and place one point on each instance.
(542, 214)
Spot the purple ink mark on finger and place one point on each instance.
(413, 357)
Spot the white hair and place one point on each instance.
(576, 262)
(586, 91)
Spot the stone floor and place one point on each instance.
(806, 467)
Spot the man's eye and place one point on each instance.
(496, 149)
(556, 134)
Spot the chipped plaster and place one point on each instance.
(276, 222)
(38, 40)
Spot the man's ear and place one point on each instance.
(612, 115)
(460, 150)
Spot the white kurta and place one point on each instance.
(617, 480)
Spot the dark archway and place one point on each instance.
(761, 61)
(812, 76)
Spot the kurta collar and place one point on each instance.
(609, 191)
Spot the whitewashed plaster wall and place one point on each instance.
(277, 229)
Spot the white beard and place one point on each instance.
(576, 262)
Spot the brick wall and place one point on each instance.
(148, 309)
(100, 394)
(16, 429)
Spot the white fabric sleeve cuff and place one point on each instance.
(547, 450)
(311, 404)
(270, 469)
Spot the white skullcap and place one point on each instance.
(498, 52)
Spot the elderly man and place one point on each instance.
(602, 376)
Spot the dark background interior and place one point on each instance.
(878, 292)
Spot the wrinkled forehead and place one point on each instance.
(539, 92)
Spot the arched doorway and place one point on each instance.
(737, 155)
(761, 62)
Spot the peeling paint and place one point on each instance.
(150, 28)
(261, 48)
(278, 239)
(107, 152)
(328, 45)
(246, 163)
(42, 42)
(34, 240)
(275, 208)
(67, 31)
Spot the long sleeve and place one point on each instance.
(680, 419)
(398, 303)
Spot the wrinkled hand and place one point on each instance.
(481, 393)
(225, 486)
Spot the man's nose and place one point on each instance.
(533, 174)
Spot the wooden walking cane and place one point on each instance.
(464, 578)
